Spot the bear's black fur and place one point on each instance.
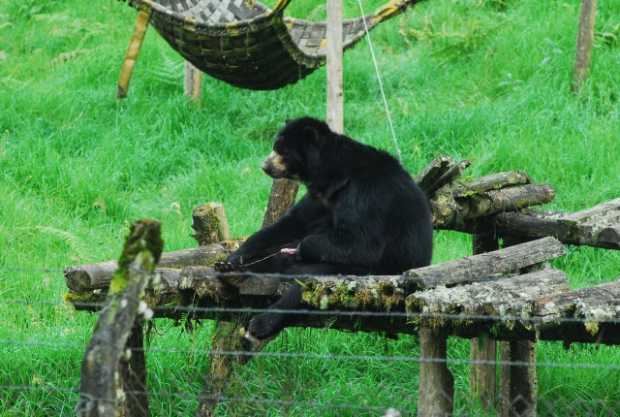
(363, 214)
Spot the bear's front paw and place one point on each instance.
(266, 325)
(226, 266)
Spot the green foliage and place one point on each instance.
(483, 80)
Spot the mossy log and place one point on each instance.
(598, 226)
(512, 297)
(113, 375)
(98, 275)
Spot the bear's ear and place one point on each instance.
(314, 135)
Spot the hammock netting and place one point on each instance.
(246, 44)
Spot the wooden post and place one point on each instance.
(482, 379)
(585, 38)
(283, 193)
(113, 375)
(436, 387)
(131, 56)
(335, 104)
(192, 82)
(518, 386)
(210, 226)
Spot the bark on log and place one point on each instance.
(436, 387)
(210, 224)
(282, 197)
(103, 388)
(98, 275)
(492, 182)
(585, 39)
(506, 299)
(485, 266)
(598, 226)
(483, 351)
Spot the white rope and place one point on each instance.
(380, 81)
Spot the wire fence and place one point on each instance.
(308, 375)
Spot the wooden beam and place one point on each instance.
(335, 95)
(98, 275)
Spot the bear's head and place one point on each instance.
(297, 151)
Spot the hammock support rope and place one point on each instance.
(242, 42)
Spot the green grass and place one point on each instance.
(483, 80)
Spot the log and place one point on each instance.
(436, 387)
(591, 309)
(440, 172)
(503, 300)
(282, 197)
(452, 211)
(566, 230)
(104, 386)
(585, 39)
(485, 266)
(492, 182)
(483, 349)
(98, 276)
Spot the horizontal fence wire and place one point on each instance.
(335, 313)
(321, 356)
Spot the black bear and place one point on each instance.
(362, 214)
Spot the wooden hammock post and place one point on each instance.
(192, 81)
(335, 101)
(585, 38)
(482, 379)
(131, 56)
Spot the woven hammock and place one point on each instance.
(246, 44)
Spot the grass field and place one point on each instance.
(486, 80)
